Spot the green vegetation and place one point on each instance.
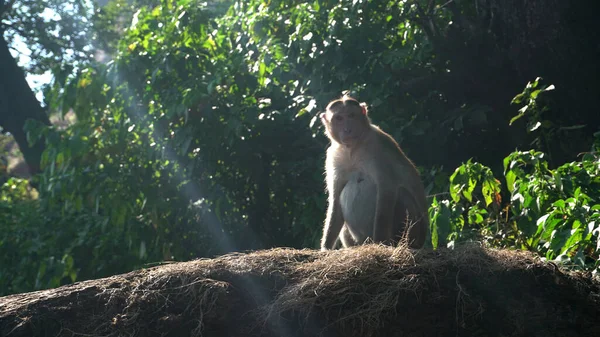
(198, 135)
(551, 212)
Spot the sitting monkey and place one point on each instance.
(375, 191)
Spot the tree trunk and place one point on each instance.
(18, 104)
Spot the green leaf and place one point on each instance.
(440, 225)
(475, 216)
(514, 119)
(576, 236)
(261, 69)
(535, 126)
(489, 189)
(518, 99)
(433, 225)
(559, 238)
(558, 181)
(468, 192)
(505, 162)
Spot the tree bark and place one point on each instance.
(18, 104)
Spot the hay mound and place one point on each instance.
(364, 291)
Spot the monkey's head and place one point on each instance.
(346, 121)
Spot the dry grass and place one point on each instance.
(370, 290)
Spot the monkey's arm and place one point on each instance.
(383, 227)
(335, 218)
(332, 228)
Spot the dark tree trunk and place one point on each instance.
(18, 104)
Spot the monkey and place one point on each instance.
(374, 191)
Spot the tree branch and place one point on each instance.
(424, 20)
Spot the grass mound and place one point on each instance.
(369, 290)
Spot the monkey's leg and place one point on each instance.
(346, 238)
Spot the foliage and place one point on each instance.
(554, 212)
(22, 241)
(199, 136)
(41, 249)
(56, 32)
(171, 166)
(536, 103)
(473, 188)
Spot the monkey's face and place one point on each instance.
(346, 123)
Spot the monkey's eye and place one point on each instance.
(338, 118)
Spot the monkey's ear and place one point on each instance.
(363, 106)
(324, 119)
